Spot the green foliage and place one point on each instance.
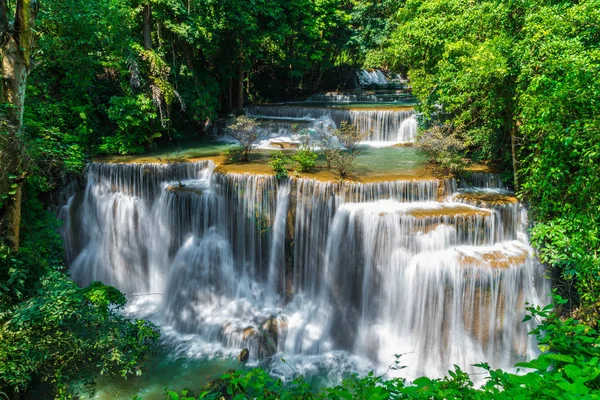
(280, 164)
(51, 329)
(306, 160)
(461, 69)
(560, 167)
(373, 25)
(133, 118)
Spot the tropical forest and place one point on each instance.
(299, 199)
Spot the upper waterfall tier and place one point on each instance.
(370, 269)
(372, 77)
(381, 125)
(387, 96)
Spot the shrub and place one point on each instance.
(245, 130)
(280, 163)
(341, 153)
(133, 117)
(446, 147)
(306, 160)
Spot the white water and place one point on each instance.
(356, 98)
(283, 125)
(372, 77)
(351, 273)
(386, 125)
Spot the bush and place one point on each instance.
(280, 163)
(133, 116)
(306, 160)
(446, 147)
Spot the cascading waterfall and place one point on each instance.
(369, 270)
(483, 180)
(373, 77)
(423, 280)
(384, 125)
(356, 98)
(284, 125)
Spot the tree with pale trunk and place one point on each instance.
(16, 43)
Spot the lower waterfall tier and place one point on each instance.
(309, 268)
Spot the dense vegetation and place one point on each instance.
(517, 83)
(512, 83)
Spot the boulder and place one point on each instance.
(244, 355)
(269, 336)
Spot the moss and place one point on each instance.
(450, 211)
(488, 199)
(495, 259)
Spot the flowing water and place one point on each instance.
(346, 274)
(363, 97)
(387, 125)
(372, 77)
(384, 117)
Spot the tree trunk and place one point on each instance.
(147, 14)
(319, 77)
(240, 102)
(15, 52)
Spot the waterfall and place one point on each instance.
(363, 270)
(425, 279)
(483, 180)
(373, 77)
(359, 98)
(277, 257)
(385, 125)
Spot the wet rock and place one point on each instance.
(244, 355)
(269, 336)
(284, 144)
(249, 333)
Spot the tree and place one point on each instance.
(463, 69)
(16, 46)
(517, 84)
(245, 130)
(447, 147)
(343, 150)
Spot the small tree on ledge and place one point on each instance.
(245, 130)
(341, 159)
